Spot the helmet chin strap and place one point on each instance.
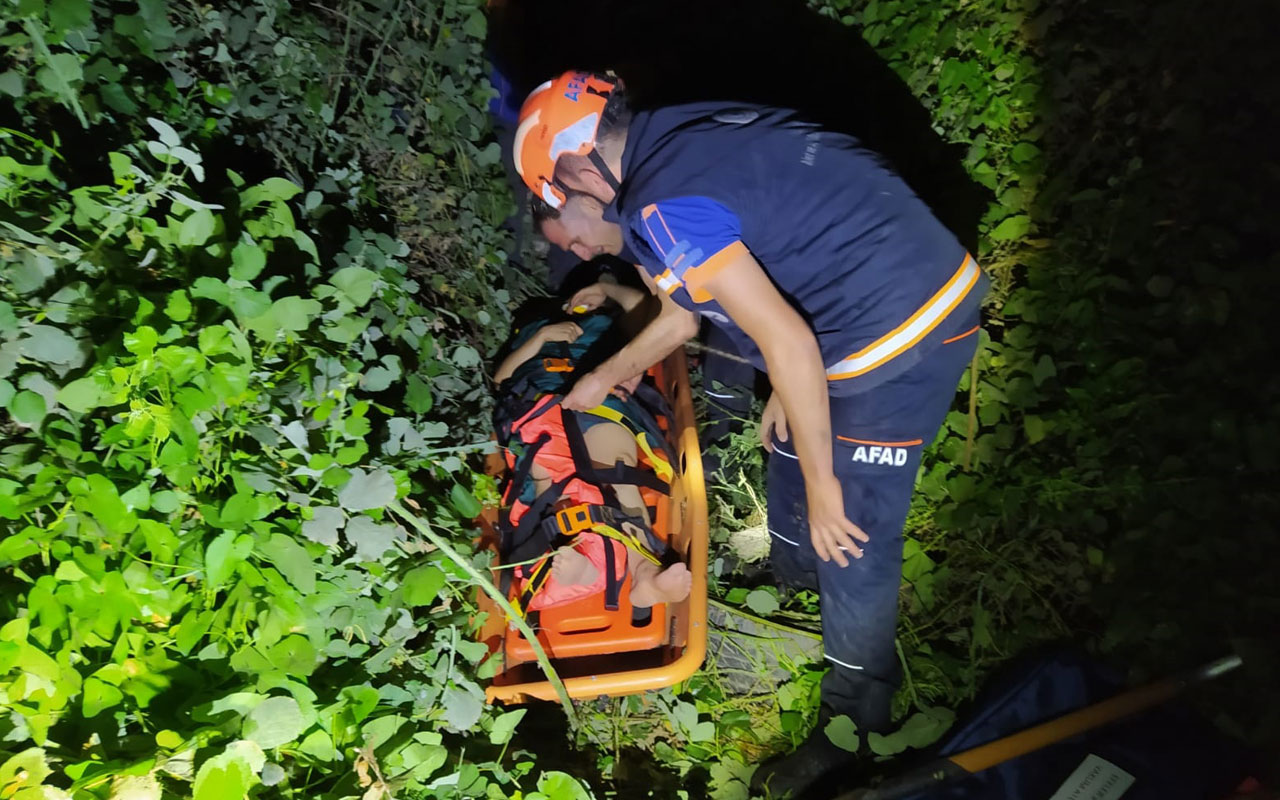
(597, 161)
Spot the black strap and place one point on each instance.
(518, 477)
(524, 543)
(618, 473)
(612, 586)
(605, 172)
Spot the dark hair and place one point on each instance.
(616, 117)
(542, 211)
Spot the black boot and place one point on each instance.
(813, 770)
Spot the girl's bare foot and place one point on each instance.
(571, 568)
(649, 587)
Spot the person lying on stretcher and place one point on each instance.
(543, 364)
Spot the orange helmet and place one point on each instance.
(560, 116)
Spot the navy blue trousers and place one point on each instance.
(879, 435)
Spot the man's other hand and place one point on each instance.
(589, 392)
(831, 531)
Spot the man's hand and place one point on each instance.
(558, 332)
(589, 392)
(588, 299)
(830, 530)
(773, 420)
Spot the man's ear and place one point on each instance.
(594, 185)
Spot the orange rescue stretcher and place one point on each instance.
(599, 652)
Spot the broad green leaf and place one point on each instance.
(476, 25)
(141, 342)
(247, 261)
(366, 490)
(1014, 227)
(270, 189)
(1024, 151)
(319, 746)
(464, 502)
(223, 779)
(462, 709)
(275, 721)
(196, 228)
(562, 786)
(99, 696)
(224, 554)
(50, 345)
(323, 527)
(505, 725)
(178, 306)
(239, 510)
(11, 83)
(843, 733)
(356, 283)
(168, 136)
(169, 740)
(1035, 427)
(28, 768)
(294, 655)
(292, 560)
(7, 392)
(59, 73)
(27, 407)
(371, 539)
(762, 602)
(418, 395)
(422, 585)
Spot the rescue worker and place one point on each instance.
(832, 277)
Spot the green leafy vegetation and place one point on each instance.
(251, 261)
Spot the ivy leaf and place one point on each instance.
(462, 709)
(292, 560)
(505, 725)
(843, 733)
(762, 602)
(366, 490)
(371, 539)
(274, 722)
(50, 345)
(323, 526)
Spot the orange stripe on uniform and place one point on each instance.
(645, 213)
(911, 443)
(969, 332)
(696, 279)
